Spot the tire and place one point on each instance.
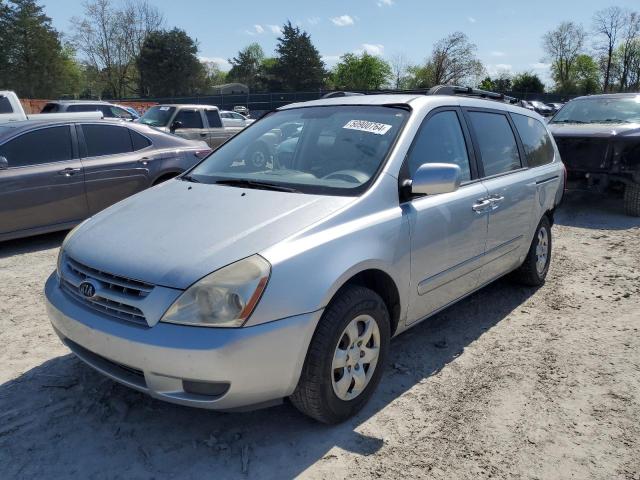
(632, 200)
(533, 271)
(257, 157)
(317, 392)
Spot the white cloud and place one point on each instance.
(330, 60)
(275, 29)
(540, 66)
(497, 53)
(343, 21)
(257, 30)
(498, 68)
(223, 63)
(471, 19)
(313, 20)
(385, 3)
(373, 48)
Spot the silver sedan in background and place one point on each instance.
(54, 174)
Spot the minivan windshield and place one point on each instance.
(600, 110)
(157, 116)
(335, 150)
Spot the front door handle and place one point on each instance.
(481, 205)
(203, 135)
(67, 172)
(495, 200)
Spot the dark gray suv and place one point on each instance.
(55, 174)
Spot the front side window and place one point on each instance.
(158, 116)
(440, 140)
(498, 146)
(326, 150)
(535, 140)
(46, 145)
(189, 119)
(106, 140)
(120, 113)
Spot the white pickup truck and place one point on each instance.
(11, 111)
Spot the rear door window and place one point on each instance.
(106, 140)
(497, 144)
(213, 117)
(45, 145)
(5, 105)
(189, 119)
(536, 142)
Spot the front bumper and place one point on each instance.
(251, 365)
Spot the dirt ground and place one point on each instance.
(510, 383)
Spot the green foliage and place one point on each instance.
(360, 72)
(33, 61)
(585, 74)
(246, 66)
(169, 65)
(501, 84)
(527, 82)
(299, 65)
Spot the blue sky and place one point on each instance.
(507, 33)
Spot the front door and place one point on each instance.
(192, 126)
(44, 184)
(448, 231)
(511, 191)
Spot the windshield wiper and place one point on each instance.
(568, 121)
(244, 183)
(189, 178)
(609, 120)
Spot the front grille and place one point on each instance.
(116, 296)
(584, 154)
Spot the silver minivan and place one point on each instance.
(233, 286)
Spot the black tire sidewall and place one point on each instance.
(341, 409)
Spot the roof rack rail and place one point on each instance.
(470, 92)
(339, 93)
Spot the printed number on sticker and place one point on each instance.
(366, 126)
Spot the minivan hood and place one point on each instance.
(601, 130)
(178, 232)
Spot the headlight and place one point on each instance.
(224, 298)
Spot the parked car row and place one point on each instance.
(544, 109)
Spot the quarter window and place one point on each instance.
(537, 145)
(498, 146)
(106, 140)
(46, 145)
(5, 105)
(189, 119)
(441, 140)
(139, 142)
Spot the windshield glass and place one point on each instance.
(327, 150)
(157, 116)
(600, 110)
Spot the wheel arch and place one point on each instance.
(164, 176)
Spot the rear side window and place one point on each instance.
(139, 142)
(189, 119)
(46, 145)
(441, 140)
(106, 140)
(83, 108)
(498, 146)
(213, 117)
(5, 105)
(50, 108)
(535, 139)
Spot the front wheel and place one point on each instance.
(346, 357)
(533, 271)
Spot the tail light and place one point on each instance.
(200, 154)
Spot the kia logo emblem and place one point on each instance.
(87, 289)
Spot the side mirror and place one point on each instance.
(434, 178)
(4, 163)
(175, 126)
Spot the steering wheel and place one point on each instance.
(352, 176)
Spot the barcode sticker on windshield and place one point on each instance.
(366, 126)
(164, 108)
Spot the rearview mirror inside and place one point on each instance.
(435, 178)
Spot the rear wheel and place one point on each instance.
(536, 265)
(632, 200)
(346, 357)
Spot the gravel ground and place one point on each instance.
(510, 383)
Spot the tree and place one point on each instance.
(563, 45)
(214, 74)
(169, 64)
(452, 61)
(607, 24)
(527, 82)
(361, 72)
(246, 66)
(630, 33)
(299, 65)
(399, 65)
(32, 53)
(110, 38)
(585, 75)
